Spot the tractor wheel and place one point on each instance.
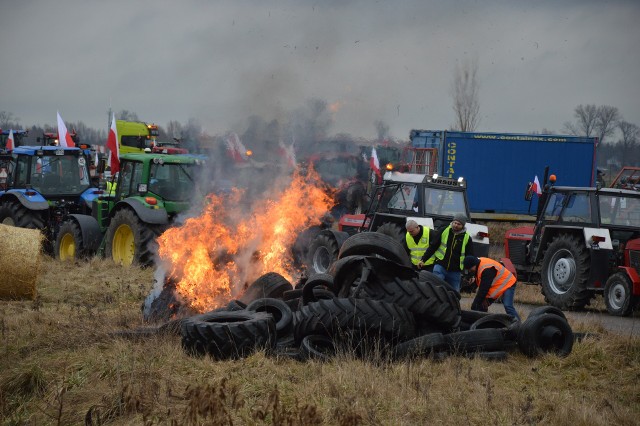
(618, 295)
(15, 214)
(129, 240)
(323, 252)
(565, 272)
(69, 244)
(374, 243)
(393, 230)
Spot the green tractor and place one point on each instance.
(142, 202)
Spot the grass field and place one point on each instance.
(61, 363)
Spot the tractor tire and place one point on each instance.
(228, 335)
(318, 347)
(323, 252)
(300, 248)
(271, 285)
(12, 213)
(393, 230)
(565, 273)
(370, 318)
(546, 333)
(129, 240)
(316, 282)
(546, 310)
(420, 346)
(618, 295)
(493, 321)
(374, 243)
(69, 244)
(428, 299)
(280, 312)
(484, 340)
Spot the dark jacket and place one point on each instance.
(451, 260)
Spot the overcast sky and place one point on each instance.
(221, 61)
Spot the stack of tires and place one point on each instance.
(372, 300)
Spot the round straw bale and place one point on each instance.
(20, 251)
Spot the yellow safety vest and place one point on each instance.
(443, 246)
(417, 249)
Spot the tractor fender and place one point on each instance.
(339, 236)
(91, 235)
(153, 216)
(32, 202)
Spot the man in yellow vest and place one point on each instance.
(494, 281)
(454, 244)
(416, 242)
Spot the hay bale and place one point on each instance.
(20, 251)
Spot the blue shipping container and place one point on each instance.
(497, 166)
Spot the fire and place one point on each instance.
(211, 256)
(336, 106)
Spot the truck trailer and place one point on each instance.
(499, 165)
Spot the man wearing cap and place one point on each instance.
(494, 281)
(455, 244)
(416, 242)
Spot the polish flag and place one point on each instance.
(536, 186)
(112, 146)
(64, 137)
(236, 148)
(10, 142)
(374, 163)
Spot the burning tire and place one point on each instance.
(225, 335)
(546, 333)
(323, 252)
(280, 312)
(374, 243)
(565, 272)
(69, 244)
(618, 295)
(270, 284)
(428, 299)
(367, 317)
(129, 240)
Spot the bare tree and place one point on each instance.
(127, 115)
(465, 91)
(629, 140)
(8, 120)
(608, 117)
(594, 120)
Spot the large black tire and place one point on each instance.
(300, 248)
(484, 340)
(271, 285)
(546, 333)
(316, 281)
(13, 213)
(374, 243)
(428, 299)
(318, 347)
(323, 252)
(493, 321)
(225, 334)
(546, 310)
(280, 312)
(69, 243)
(618, 295)
(565, 273)
(393, 230)
(370, 318)
(140, 250)
(420, 346)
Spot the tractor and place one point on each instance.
(40, 186)
(150, 191)
(585, 241)
(430, 200)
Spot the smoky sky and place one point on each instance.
(222, 61)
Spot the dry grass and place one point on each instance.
(59, 364)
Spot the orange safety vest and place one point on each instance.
(502, 281)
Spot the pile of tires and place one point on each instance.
(371, 299)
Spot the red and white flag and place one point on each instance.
(64, 137)
(236, 148)
(536, 186)
(10, 142)
(114, 149)
(374, 163)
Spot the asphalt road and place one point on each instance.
(588, 320)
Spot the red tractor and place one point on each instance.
(585, 241)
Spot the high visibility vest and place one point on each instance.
(503, 280)
(417, 249)
(443, 246)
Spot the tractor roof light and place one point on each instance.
(435, 176)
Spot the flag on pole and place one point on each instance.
(10, 142)
(374, 163)
(112, 146)
(536, 186)
(64, 138)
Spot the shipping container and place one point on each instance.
(498, 166)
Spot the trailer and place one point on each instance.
(499, 165)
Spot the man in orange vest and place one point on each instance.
(494, 281)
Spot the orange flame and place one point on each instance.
(211, 256)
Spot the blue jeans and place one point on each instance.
(507, 302)
(451, 277)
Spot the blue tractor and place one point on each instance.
(41, 186)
